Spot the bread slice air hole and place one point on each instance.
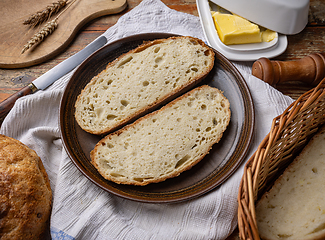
(194, 146)
(182, 161)
(109, 145)
(194, 42)
(138, 179)
(145, 83)
(111, 117)
(284, 236)
(156, 50)
(124, 103)
(107, 165)
(158, 59)
(125, 61)
(142, 179)
(109, 82)
(117, 175)
(207, 53)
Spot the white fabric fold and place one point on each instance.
(81, 210)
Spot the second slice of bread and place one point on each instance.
(141, 79)
(166, 142)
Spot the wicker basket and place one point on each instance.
(289, 133)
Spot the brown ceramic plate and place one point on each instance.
(214, 169)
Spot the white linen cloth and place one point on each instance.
(81, 210)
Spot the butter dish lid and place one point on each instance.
(283, 16)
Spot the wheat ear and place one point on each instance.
(41, 35)
(44, 32)
(42, 16)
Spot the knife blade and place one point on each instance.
(51, 76)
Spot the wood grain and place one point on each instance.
(15, 35)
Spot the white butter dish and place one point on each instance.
(282, 16)
(239, 52)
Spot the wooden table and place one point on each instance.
(310, 40)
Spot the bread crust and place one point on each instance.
(153, 105)
(157, 113)
(26, 196)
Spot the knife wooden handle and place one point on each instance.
(310, 69)
(7, 104)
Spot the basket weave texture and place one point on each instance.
(289, 133)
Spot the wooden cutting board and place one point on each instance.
(14, 35)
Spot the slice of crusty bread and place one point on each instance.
(166, 142)
(141, 79)
(294, 208)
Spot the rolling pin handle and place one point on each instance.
(310, 70)
(263, 69)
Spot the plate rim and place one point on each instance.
(171, 199)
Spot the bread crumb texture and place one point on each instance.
(140, 80)
(294, 208)
(166, 142)
(26, 196)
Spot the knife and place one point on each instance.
(52, 75)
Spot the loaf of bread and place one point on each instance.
(140, 80)
(25, 192)
(166, 142)
(294, 208)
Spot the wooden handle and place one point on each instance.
(310, 69)
(8, 103)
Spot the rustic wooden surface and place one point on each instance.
(310, 40)
(14, 34)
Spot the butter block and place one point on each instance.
(268, 35)
(233, 29)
